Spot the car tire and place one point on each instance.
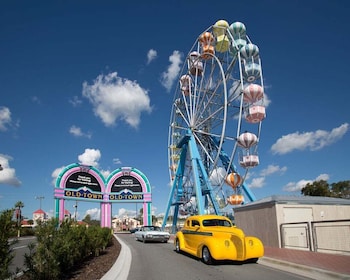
(177, 246)
(143, 239)
(206, 256)
(254, 260)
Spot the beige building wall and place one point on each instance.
(264, 220)
(260, 222)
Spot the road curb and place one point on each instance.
(120, 269)
(303, 270)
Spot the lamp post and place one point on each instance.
(76, 210)
(40, 198)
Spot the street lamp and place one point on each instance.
(40, 198)
(76, 210)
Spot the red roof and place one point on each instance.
(24, 222)
(39, 212)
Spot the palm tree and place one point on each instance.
(18, 206)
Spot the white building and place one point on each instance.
(39, 215)
(312, 223)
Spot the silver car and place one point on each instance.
(152, 233)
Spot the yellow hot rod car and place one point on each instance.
(213, 237)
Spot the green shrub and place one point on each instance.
(62, 246)
(6, 254)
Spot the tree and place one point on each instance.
(87, 219)
(90, 222)
(19, 218)
(341, 189)
(322, 188)
(6, 254)
(317, 188)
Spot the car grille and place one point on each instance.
(238, 242)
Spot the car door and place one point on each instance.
(197, 236)
(190, 233)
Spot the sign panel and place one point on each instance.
(79, 180)
(126, 182)
(83, 193)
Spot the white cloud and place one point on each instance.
(117, 161)
(35, 99)
(271, 169)
(114, 98)
(8, 174)
(151, 55)
(267, 100)
(308, 140)
(168, 77)
(5, 118)
(90, 157)
(75, 101)
(76, 131)
(105, 173)
(55, 174)
(297, 186)
(257, 182)
(324, 177)
(94, 213)
(122, 212)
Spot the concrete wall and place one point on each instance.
(319, 212)
(264, 221)
(261, 222)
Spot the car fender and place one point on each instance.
(218, 249)
(254, 247)
(180, 236)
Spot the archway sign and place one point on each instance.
(86, 183)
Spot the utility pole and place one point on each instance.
(40, 198)
(76, 210)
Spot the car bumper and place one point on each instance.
(157, 238)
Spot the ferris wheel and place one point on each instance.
(215, 122)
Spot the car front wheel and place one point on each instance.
(177, 246)
(206, 256)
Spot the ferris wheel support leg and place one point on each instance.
(248, 192)
(197, 165)
(169, 206)
(177, 185)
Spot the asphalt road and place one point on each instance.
(19, 250)
(160, 261)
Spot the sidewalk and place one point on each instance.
(311, 264)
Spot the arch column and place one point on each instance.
(106, 212)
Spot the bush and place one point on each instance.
(6, 254)
(62, 246)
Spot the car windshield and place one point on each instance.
(151, 228)
(216, 222)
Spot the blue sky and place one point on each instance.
(93, 82)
